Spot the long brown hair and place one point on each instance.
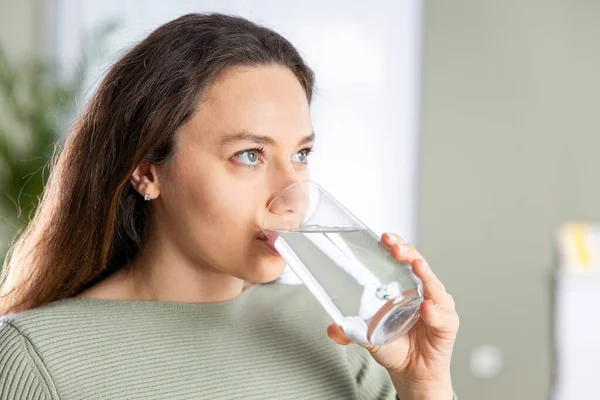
(90, 221)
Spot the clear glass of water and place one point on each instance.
(373, 297)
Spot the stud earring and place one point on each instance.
(147, 197)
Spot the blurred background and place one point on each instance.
(470, 127)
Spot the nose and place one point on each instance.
(288, 202)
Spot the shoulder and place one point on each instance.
(49, 331)
(24, 329)
(45, 317)
(23, 374)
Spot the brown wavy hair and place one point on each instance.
(90, 222)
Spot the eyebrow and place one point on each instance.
(260, 139)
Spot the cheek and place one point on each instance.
(215, 216)
(220, 209)
(215, 207)
(232, 201)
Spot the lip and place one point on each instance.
(268, 240)
(268, 236)
(269, 247)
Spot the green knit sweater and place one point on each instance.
(269, 343)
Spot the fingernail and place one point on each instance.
(391, 238)
(403, 248)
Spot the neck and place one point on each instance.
(161, 272)
(162, 277)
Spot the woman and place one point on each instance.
(141, 273)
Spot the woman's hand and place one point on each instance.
(419, 361)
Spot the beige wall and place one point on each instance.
(510, 143)
(25, 27)
(17, 31)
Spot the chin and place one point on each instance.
(266, 270)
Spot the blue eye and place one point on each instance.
(302, 156)
(250, 157)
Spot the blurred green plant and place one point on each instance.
(35, 106)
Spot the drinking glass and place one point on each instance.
(373, 297)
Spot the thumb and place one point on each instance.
(336, 333)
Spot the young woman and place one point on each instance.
(144, 273)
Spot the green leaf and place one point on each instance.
(34, 98)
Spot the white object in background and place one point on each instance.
(577, 328)
(486, 361)
(576, 325)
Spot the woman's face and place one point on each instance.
(249, 139)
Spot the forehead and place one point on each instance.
(264, 100)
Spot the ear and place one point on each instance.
(145, 180)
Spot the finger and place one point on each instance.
(433, 288)
(390, 239)
(445, 323)
(405, 253)
(336, 333)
